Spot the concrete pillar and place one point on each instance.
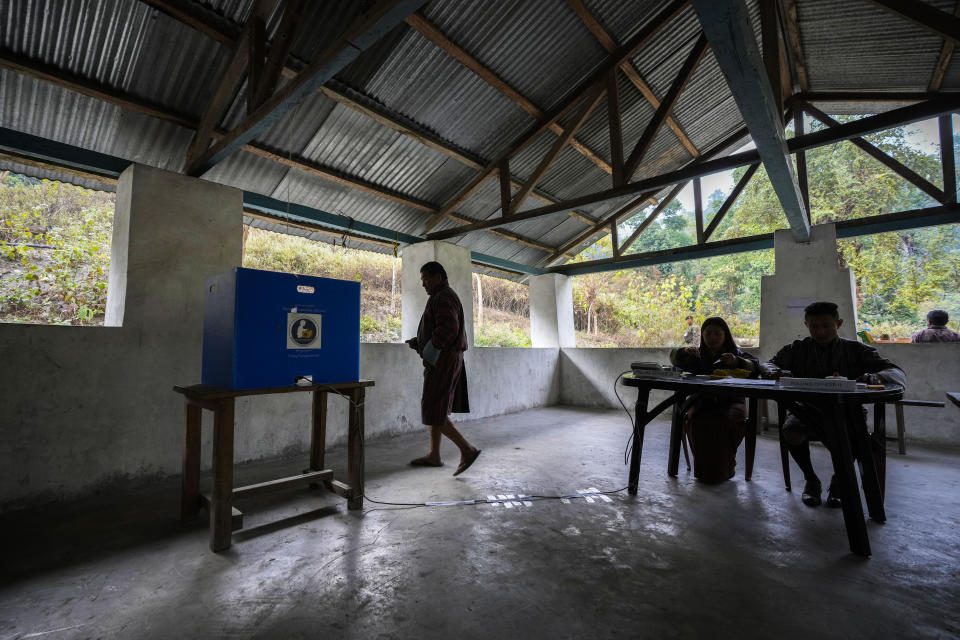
(551, 311)
(805, 272)
(455, 261)
(170, 233)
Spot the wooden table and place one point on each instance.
(845, 433)
(224, 517)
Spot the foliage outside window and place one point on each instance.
(501, 312)
(899, 276)
(378, 273)
(54, 251)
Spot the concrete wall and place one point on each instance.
(931, 370)
(82, 406)
(587, 375)
(805, 272)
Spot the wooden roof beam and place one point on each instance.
(669, 102)
(939, 22)
(946, 53)
(427, 29)
(727, 25)
(622, 54)
(365, 30)
(795, 44)
(629, 70)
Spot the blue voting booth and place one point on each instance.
(267, 329)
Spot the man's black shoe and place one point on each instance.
(811, 494)
(833, 494)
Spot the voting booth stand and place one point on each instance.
(269, 333)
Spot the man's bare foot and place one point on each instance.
(426, 461)
(466, 460)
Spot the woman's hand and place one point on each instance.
(870, 378)
(729, 361)
(770, 371)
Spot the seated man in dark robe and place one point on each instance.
(821, 355)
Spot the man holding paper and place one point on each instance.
(441, 340)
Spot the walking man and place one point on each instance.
(441, 340)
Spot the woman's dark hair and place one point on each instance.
(729, 346)
(433, 268)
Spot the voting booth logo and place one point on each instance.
(303, 330)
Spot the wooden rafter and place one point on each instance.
(237, 68)
(666, 106)
(888, 161)
(792, 27)
(943, 104)
(615, 60)
(943, 24)
(947, 160)
(196, 17)
(625, 247)
(601, 226)
(362, 33)
(698, 208)
(727, 25)
(616, 132)
(505, 188)
(290, 25)
(96, 91)
(589, 103)
(770, 35)
(728, 203)
(430, 31)
(629, 70)
(946, 53)
(801, 158)
(229, 34)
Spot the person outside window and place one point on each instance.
(823, 354)
(691, 335)
(936, 330)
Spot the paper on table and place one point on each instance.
(757, 382)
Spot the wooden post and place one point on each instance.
(190, 480)
(698, 208)
(318, 433)
(616, 133)
(947, 159)
(614, 239)
(355, 449)
(505, 187)
(801, 157)
(221, 498)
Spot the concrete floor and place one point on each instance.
(680, 560)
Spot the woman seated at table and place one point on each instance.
(715, 425)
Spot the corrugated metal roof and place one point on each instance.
(857, 45)
(539, 47)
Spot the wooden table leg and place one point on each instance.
(318, 433)
(676, 436)
(753, 423)
(880, 446)
(190, 478)
(639, 425)
(864, 448)
(842, 454)
(355, 449)
(221, 498)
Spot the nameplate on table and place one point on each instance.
(819, 384)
